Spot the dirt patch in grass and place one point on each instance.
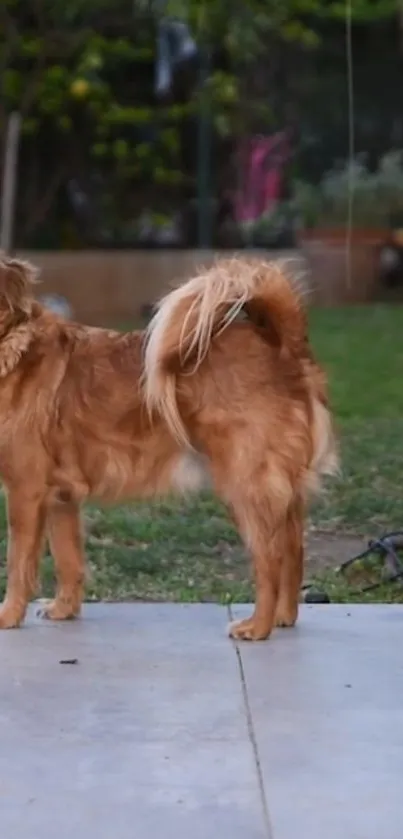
(328, 550)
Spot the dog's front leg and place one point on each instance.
(26, 527)
(66, 545)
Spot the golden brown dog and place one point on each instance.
(221, 387)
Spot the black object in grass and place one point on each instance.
(314, 596)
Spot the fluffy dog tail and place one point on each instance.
(188, 318)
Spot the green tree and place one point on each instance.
(81, 74)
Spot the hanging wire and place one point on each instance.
(351, 141)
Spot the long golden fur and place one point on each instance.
(222, 388)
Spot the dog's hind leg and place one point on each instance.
(66, 545)
(259, 491)
(26, 528)
(292, 567)
(266, 542)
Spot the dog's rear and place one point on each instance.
(251, 398)
(189, 319)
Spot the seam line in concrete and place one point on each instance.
(252, 737)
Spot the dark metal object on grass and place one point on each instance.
(314, 596)
(387, 548)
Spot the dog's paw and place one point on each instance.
(56, 610)
(284, 619)
(10, 618)
(247, 630)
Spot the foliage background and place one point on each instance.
(99, 146)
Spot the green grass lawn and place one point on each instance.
(362, 351)
(189, 551)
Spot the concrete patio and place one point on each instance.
(164, 728)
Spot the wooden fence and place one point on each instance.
(111, 287)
